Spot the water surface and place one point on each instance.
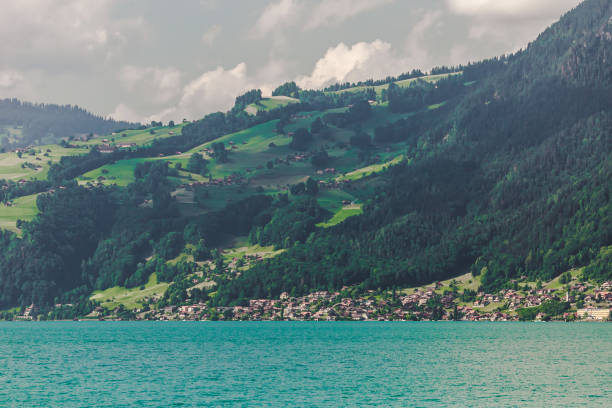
(195, 364)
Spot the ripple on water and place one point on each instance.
(304, 364)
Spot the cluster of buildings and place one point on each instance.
(431, 303)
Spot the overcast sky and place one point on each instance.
(157, 59)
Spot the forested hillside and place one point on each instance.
(501, 169)
(24, 123)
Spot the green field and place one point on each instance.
(369, 170)
(341, 215)
(130, 298)
(269, 103)
(11, 165)
(404, 83)
(23, 208)
(140, 137)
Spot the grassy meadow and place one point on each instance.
(23, 208)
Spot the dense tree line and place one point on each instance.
(49, 123)
(511, 180)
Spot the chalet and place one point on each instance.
(106, 148)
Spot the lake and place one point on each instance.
(314, 364)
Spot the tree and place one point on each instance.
(196, 163)
(170, 245)
(220, 152)
(301, 139)
(298, 189)
(287, 89)
(320, 159)
(317, 126)
(312, 187)
(171, 123)
(361, 140)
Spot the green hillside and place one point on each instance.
(500, 172)
(269, 103)
(402, 84)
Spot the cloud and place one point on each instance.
(512, 9)
(209, 37)
(336, 11)
(62, 35)
(159, 85)
(8, 79)
(512, 23)
(361, 61)
(277, 15)
(124, 112)
(301, 13)
(212, 91)
(416, 49)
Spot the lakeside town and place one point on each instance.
(575, 301)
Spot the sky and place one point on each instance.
(143, 60)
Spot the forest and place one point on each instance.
(50, 123)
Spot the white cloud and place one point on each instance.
(8, 79)
(277, 15)
(512, 23)
(124, 112)
(63, 34)
(515, 9)
(209, 37)
(212, 91)
(309, 14)
(416, 49)
(336, 11)
(157, 84)
(361, 61)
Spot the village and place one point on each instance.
(586, 302)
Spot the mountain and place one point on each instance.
(24, 123)
(501, 169)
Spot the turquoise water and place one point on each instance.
(196, 364)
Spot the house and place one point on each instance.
(593, 314)
(31, 311)
(106, 148)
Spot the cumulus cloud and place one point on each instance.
(360, 61)
(212, 91)
(209, 37)
(157, 84)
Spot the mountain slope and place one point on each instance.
(503, 171)
(512, 179)
(47, 123)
